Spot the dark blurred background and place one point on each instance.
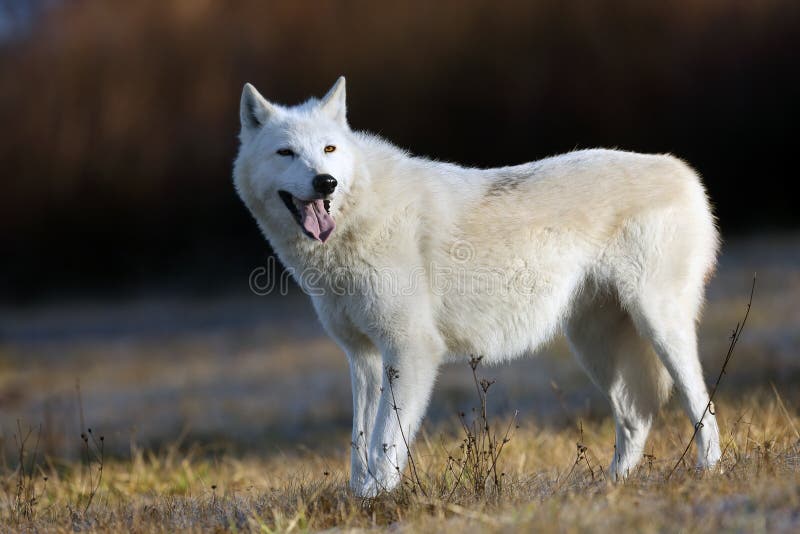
(119, 118)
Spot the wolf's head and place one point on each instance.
(295, 163)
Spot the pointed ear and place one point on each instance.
(335, 102)
(254, 110)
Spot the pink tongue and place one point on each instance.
(315, 220)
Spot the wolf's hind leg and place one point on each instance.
(626, 369)
(674, 336)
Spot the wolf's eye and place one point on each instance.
(285, 152)
(329, 149)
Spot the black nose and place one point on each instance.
(324, 184)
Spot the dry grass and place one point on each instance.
(553, 479)
(225, 398)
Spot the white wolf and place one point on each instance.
(611, 247)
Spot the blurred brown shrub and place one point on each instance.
(119, 118)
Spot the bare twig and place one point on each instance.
(23, 503)
(99, 458)
(481, 447)
(93, 450)
(737, 332)
(393, 374)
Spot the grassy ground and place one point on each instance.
(233, 414)
(552, 479)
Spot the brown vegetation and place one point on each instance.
(553, 480)
(469, 472)
(120, 118)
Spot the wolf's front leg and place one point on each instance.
(408, 378)
(366, 372)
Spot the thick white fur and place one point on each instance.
(611, 247)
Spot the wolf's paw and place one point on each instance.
(368, 489)
(709, 455)
(710, 465)
(372, 486)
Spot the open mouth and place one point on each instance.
(313, 216)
